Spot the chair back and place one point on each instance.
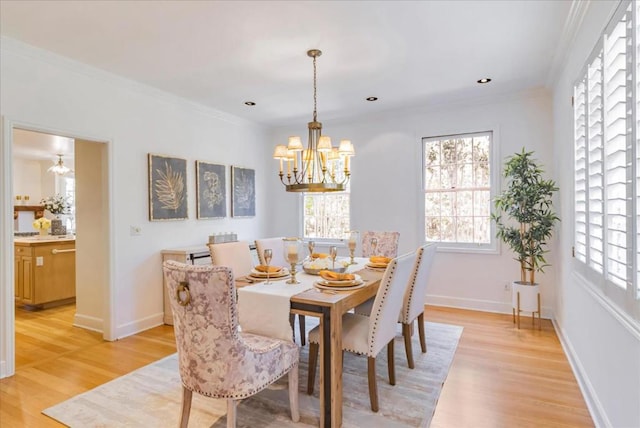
(387, 244)
(388, 302)
(417, 287)
(205, 322)
(278, 251)
(235, 255)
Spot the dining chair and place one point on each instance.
(235, 255)
(275, 244)
(414, 297)
(365, 335)
(215, 359)
(387, 244)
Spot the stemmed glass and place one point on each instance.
(311, 245)
(353, 241)
(268, 254)
(333, 252)
(374, 245)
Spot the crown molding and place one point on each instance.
(572, 24)
(24, 50)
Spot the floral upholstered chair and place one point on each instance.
(215, 359)
(380, 244)
(275, 244)
(413, 304)
(367, 335)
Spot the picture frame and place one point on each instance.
(243, 192)
(211, 190)
(167, 188)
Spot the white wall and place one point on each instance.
(603, 347)
(386, 187)
(71, 99)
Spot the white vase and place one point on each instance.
(525, 297)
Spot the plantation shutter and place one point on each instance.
(615, 150)
(595, 168)
(580, 191)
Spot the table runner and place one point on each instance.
(264, 308)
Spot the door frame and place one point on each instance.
(7, 309)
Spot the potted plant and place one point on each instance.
(528, 222)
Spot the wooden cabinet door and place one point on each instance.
(17, 273)
(27, 279)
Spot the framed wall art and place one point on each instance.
(211, 190)
(243, 192)
(167, 188)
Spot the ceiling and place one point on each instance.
(223, 53)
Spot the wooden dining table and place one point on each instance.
(328, 306)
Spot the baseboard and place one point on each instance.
(89, 323)
(139, 325)
(478, 305)
(596, 410)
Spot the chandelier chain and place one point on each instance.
(315, 97)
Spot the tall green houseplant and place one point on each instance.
(529, 219)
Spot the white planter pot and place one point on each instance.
(525, 298)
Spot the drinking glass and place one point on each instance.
(333, 252)
(374, 245)
(353, 241)
(292, 249)
(268, 254)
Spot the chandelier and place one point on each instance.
(320, 167)
(58, 167)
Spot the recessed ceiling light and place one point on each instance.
(484, 80)
(249, 103)
(372, 98)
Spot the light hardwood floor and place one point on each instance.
(500, 377)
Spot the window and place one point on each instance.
(458, 191)
(326, 215)
(607, 164)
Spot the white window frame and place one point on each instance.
(324, 240)
(621, 294)
(493, 247)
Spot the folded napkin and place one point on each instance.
(270, 269)
(380, 259)
(319, 255)
(335, 276)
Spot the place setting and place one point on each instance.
(337, 281)
(378, 263)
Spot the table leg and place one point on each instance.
(336, 367)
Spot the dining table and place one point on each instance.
(264, 308)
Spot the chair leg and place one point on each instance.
(373, 388)
(314, 350)
(186, 407)
(303, 332)
(391, 362)
(406, 332)
(231, 413)
(423, 340)
(292, 322)
(293, 393)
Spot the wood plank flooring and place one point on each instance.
(500, 377)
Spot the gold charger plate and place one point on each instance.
(345, 283)
(338, 288)
(263, 275)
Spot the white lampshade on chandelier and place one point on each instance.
(316, 168)
(58, 167)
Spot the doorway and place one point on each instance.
(93, 238)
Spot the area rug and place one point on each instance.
(151, 396)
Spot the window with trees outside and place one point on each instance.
(607, 165)
(457, 186)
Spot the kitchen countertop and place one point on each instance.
(35, 240)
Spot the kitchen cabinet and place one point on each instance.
(45, 271)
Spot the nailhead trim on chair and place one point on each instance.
(384, 296)
(413, 284)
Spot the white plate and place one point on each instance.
(355, 281)
(257, 274)
(338, 288)
(377, 265)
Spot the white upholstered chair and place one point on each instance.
(368, 335)
(275, 244)
(387, 244)
(215, 358)
(413, 304)
(235, 255)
